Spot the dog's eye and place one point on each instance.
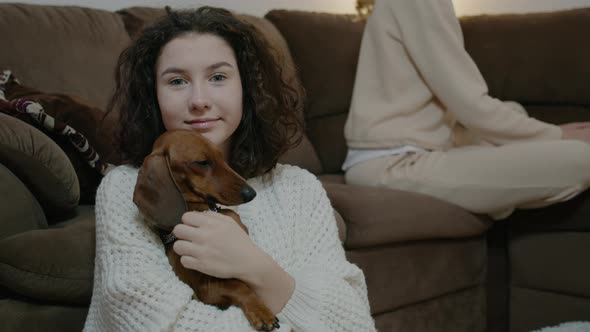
(201, 163)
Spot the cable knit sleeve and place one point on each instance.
(330, 293)
(135, 288)
(432, 36)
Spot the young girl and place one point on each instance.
(421, 120)
(208, 71)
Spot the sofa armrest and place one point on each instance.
(51, 265)
(376, 216)
(41, 165)
(19, 210)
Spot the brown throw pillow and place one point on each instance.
(91, 122)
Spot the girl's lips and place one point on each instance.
(202, 123)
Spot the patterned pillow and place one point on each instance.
(84, 132)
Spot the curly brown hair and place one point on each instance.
(272, 107)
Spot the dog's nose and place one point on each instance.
(247, 193)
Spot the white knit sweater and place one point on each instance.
(291, 219)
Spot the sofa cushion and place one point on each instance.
(325, 49)
(19, 210)
(21, 315)
(95, 126)
(303, 155)
(54, 265)
(49, 47)
(379, 216)
(137, 18)
(459, 311)
(40, 164)
(565, 252)
(401, 275)
(533, 58)
(534, 310)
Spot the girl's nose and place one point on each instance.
(199, 100)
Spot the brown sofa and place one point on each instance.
(425, 261)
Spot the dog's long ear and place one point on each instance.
(156, 194)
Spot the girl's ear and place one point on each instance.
(156, 194)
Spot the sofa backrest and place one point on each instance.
(69, 50)
(325, 49)
(540, 60)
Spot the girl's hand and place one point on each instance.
(576, 131)
(214, 244)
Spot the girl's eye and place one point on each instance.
(217, 78)
(177, 81)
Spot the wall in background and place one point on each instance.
(475, 7)
(260, 7)
(253, 7)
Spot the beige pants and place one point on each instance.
(486, 179)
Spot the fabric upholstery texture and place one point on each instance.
(325, 47)
(40, 164)
(30, 316)
(61, 39)
(137, 18)
(548, 269)
(411, 222)
(527, 303)
(458, 311)
(34, 271)
(510, 59)
(531, 254)
(408, 273)
(19, 210)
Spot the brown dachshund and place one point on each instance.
(186, 172)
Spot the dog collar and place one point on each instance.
(167, 237)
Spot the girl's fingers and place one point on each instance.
(183, 248)
(189, 262)
(193, 218)
(186, 232)
(199, 219)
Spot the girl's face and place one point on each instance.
(199, 87)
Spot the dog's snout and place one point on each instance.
(247, 193)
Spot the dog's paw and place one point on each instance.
(262, 319)
(267, 327)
